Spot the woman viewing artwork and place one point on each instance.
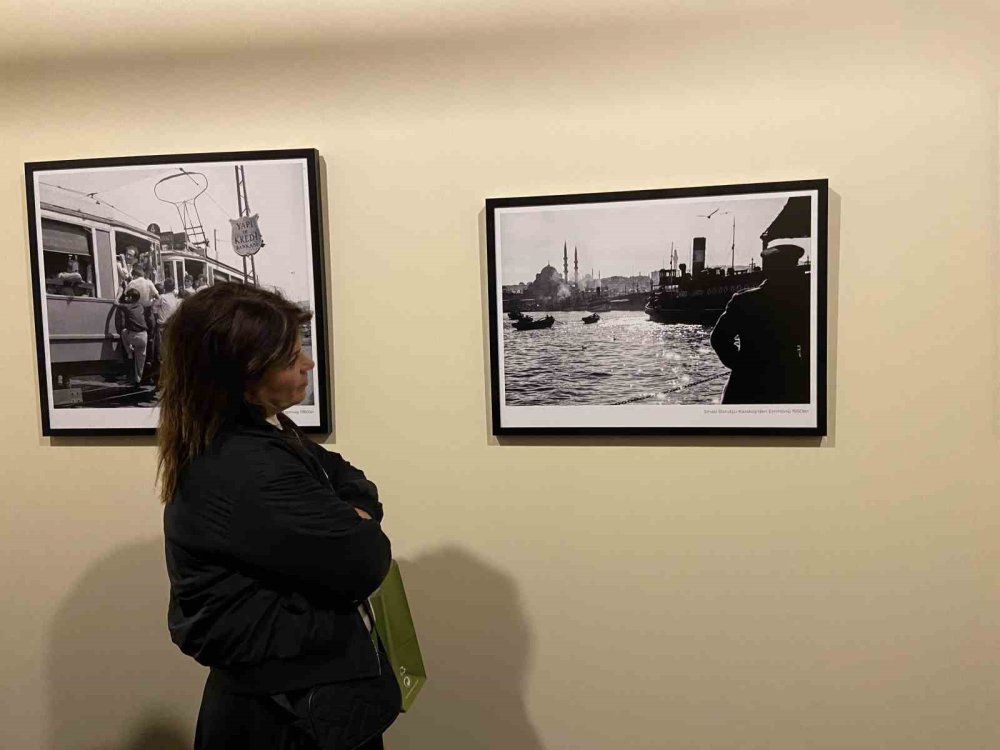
(273, 544)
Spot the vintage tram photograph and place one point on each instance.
(117, 247)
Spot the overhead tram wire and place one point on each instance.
(127, 184)
(91, 196)
(208, 193)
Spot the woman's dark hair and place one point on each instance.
(220, 342)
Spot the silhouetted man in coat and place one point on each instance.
(763, 335)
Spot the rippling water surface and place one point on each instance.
(623, 357)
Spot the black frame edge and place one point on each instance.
(311, 158)
(820, 185)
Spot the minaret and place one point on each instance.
(565, 263)
(576, 269)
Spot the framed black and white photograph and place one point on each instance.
(166, 227)
(675, 311)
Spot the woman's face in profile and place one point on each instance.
(285, 385)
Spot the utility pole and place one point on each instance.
(243, 203)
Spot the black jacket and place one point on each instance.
(267, 560)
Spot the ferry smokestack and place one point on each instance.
(698, 256)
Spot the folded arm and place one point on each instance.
(348, 481)
(293, 526)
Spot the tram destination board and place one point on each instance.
(169, 227)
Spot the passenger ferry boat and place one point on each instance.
(701, 296)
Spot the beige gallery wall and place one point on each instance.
(642, 593)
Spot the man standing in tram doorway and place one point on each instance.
(763, 335)
(130, 320)
(148, 294)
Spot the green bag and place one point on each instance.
(395, 629)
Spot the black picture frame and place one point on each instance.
(560, 375)
(91, 222)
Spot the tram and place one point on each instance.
(88, 251)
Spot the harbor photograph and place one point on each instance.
(675, 310)
(118, 247)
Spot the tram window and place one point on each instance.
(135, 252)
(69, 259)
(197, 271)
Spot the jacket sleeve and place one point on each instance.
(349, 482)
(233, 619)
(292, 526)
(724, 334)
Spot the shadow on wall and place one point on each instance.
(116, 682)
(475, 643)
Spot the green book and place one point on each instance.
(394, 625)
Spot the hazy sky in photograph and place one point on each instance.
(634, 237)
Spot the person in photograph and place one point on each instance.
(126, 262)
(763, 334)
(148, 294)
(145, 262)
(162, 308)
(200, 283)
(71, 278)
(146, 288)
(187, 288)
(168, 302)
(72, 272)
(130, 320)
(273, 544)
